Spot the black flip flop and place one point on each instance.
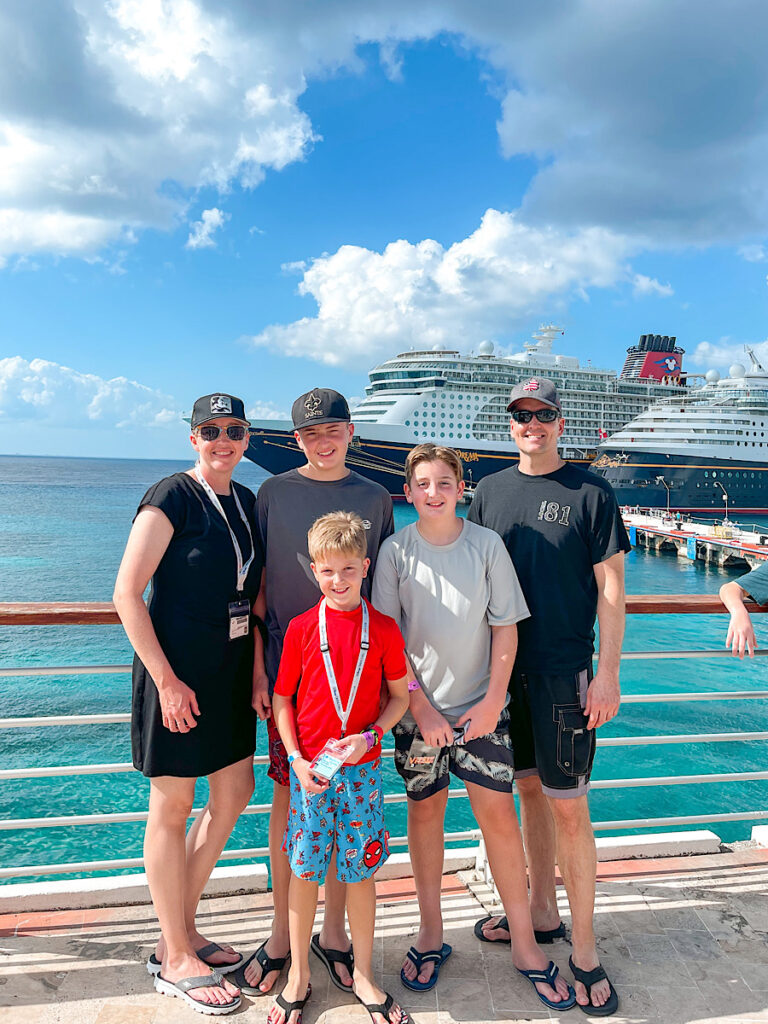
(297, 1004)
(544, 938)
(384, 1008)
(266, 962)
(334, 956)
(588, 979)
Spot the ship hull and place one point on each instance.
(380, 460)
(696, 483)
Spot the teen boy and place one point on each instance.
(741, 633)
(451, 587)
(563, 530)
(287, 506)
(334, 659)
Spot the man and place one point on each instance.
(563, 530)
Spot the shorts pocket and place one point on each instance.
(574, 742)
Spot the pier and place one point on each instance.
(724, 543)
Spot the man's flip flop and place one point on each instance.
(384, 1008)
(588, 979)
(544, 938)
(266, 963)
(334, 956)
(204, 953)
(548, 977)
(181, 988)
(289, 1008)
(418, 959)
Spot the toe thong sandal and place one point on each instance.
(590, 978)
(289, 1008)
(266, 962)
(384, 1009)
(334, 956)
(418, 959)
(204, 953)
(548, 977)
(180, 989)
(545, 937)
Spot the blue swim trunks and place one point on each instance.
(348, 815)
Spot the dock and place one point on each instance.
(721, 543)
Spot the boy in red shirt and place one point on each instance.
(329, 688)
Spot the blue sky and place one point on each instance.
(282, 195)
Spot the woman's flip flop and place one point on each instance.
(266, 963)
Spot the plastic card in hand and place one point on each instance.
(421, 758)
(328, 761)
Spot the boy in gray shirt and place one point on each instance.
(451, 587)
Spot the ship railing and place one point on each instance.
(88, 613)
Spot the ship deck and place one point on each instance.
(683, 939)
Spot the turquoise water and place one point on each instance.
(63, 525)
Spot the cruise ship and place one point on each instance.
(700, 451)
(444, 396)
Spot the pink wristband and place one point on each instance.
(413, 684)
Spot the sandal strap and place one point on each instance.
(212, 980)
(337, 956)
(417, 958)
(587, 978)
(266, 962)
(297, 1004)
(547, 976)
(210, 950)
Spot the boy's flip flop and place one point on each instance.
(549, 976)
(266, 962)
(204, 953)
(418, 959)
(544, 938)
(288, 1008)
(334, 956)
(384, 1008)
(186, 985)
(588, 979)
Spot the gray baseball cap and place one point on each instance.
(540, 388)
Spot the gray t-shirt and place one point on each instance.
(286, 506)
(445, 598)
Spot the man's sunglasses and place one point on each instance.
(542, 415)
(235, 432)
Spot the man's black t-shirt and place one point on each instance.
(556, 528)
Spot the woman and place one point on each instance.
(194, 536)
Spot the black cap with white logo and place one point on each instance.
(320, 405)
(540, 388)
(211, 407)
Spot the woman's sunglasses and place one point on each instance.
(235, 432)
(542, 415)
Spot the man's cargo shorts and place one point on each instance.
(548, 729)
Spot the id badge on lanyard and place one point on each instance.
(238, 611)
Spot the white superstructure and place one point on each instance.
(443, 396)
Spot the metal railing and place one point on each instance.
(100, 614)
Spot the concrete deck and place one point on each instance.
(683, 939)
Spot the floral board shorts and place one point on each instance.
(278, 755)
(349, 816)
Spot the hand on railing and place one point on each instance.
(178, 704)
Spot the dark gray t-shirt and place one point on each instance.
(555, 527)
(287, 505)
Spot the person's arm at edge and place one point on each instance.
(484, 716)
(741, 633)
(148, 541)
(604, 693)
(260, 699)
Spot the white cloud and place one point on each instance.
(753, 253)
(201, 234)
(643, 285)
(56, 396)
(266, 411)
(371, 304)
(722, 353)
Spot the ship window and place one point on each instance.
(434, 405)
(752, 475)
(706, 472)
(442, 434)
(714, 473)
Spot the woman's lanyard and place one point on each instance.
(341, 711)
(242, 570)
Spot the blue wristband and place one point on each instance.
(293, 756)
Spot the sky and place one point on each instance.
(200, 196)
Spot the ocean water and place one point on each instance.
(63, 526)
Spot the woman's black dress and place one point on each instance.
(191, 589)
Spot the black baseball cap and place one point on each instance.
(211, 407)
(540, 388)
(320, 405)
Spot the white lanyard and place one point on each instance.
(343, 712)
(242, 570)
